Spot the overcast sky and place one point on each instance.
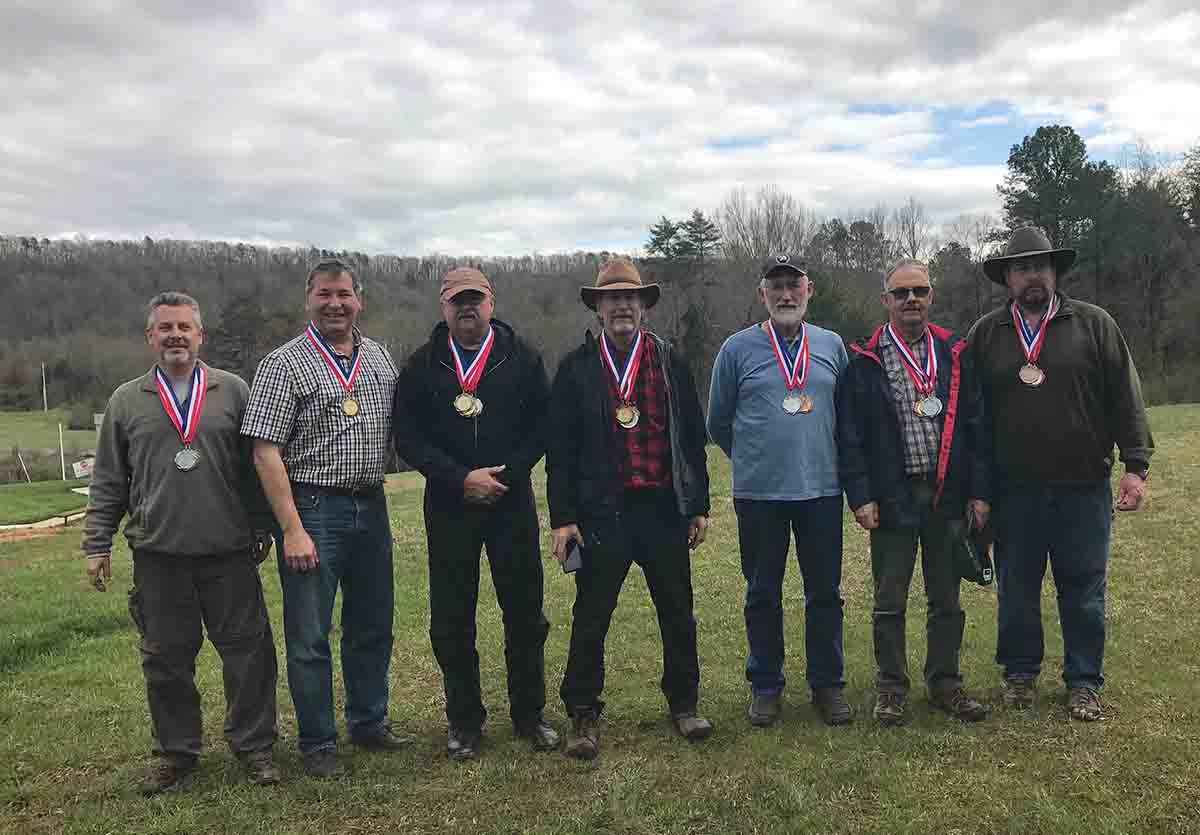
(507, 128)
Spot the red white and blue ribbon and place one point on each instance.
(924, 379)
(184, 417)
(1033, 340)
(795, 372)
(469, 377)
(326, 351)
(625, 377)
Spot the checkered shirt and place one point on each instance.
(922, 436)
(647, 458)
(296, 402)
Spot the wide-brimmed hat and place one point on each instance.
(619, 276)
(1027, 242)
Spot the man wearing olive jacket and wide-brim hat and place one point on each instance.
(1061, 391)
(627, 478)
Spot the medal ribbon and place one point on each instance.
(924, 379)
(795, 373)
(185, 418)
(626, 377)
(1033, 341)
(469, 378)
(326, 351)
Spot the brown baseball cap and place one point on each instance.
(465, 278)
(619, 275)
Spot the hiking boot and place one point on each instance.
(764, 709)
(1083, 703)
(583, 742)
(463, 744)
(1019, 693)
(382, 738)
(832, 705)
(889, 708)
(260, 768)
(958, 704)
(166, 773)
(539, 732)
(691, 727)
(323, 764)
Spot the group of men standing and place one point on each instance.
(928, 434)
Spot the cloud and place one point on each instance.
(515, 127)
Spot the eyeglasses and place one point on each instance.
(901, 294)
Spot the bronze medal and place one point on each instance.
(1031, 375)
(464, 404)
(349, 407)
(187, 459)
(806, 404)
(929, 407)
(627, 415)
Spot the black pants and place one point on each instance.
(650, 532)
(456, 533)
(173, 599)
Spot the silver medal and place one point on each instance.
(187, 459)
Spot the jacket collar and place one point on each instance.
(1066, 307)
(501, 348)
(871, 346)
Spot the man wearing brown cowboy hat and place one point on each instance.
(1061, 389)
(627, 480)
(470, 414)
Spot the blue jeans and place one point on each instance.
(353, 537)
(1069, 522)
(764, 533)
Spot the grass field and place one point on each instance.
(21, 503)
(75, 731)
(39, 430)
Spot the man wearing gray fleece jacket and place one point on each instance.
(171, 456)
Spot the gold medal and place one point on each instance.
(477, 409)
(627, 415)
(1031, 375)
(464, 404)
(349, 407)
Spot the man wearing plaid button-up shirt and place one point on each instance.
(320, 414)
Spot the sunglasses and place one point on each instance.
(901, 294)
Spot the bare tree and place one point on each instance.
(767, 222)
(911, 230)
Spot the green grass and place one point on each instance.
(75, 730)
(39, 430)
(22, 503)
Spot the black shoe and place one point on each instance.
(832, 705)
(323, 764)
(692, 726)
(166, 773)
(583, 742)
(382, 738)
(539, 732)
(463, 745)
(764, 709)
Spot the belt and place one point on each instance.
(352, 492)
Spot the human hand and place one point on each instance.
(1130, 492)
(299, 551)
(562, 538)
(697, 529)
(99, 569)
(481, 487)
(979, 511)
(867, 516)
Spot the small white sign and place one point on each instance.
(83, 469)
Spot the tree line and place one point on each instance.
(78, 305)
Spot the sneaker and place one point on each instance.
(382, 738)
(1019, 693)
(1083, 703)
(539, 732)
(764, 709)
(260, 768)
(323, 764)
(463, 744)
(832, 705)
(958, 704)
(583, 742)
(166, 773)
(691, 727)
(889, 708)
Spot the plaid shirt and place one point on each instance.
(922, 436)
(296, 402)
(647, 458)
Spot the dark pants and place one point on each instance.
(893, 558)
(456, 533)
(650, 532)
(173, 600)
(1069, 522)
(764, 533)
(353, 537)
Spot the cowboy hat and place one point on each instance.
(1026, 242)
(619, 276)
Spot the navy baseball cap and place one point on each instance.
(790, 263)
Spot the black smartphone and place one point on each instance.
(574, 559)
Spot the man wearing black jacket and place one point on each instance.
(470, 415)
(627, 478)
(912, 445)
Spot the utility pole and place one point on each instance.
(45, 401)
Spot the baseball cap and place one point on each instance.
(461, 279)
(783, 261)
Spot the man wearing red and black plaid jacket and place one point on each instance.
(627, 479)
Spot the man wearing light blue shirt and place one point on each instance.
(772, 410)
